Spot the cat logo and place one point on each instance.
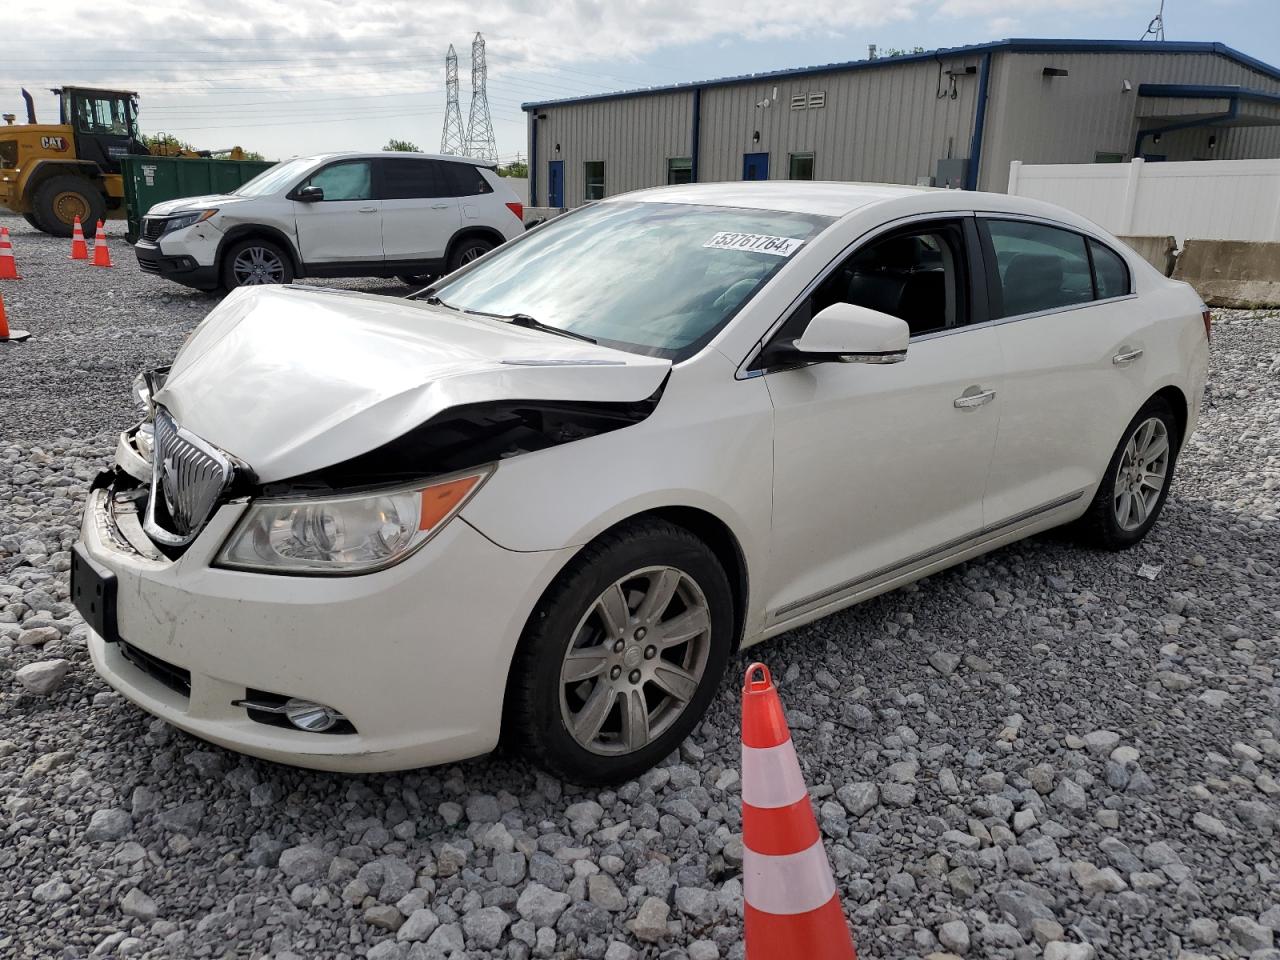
(53, 143)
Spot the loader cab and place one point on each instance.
(104, 124)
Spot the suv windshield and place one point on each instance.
(653, 278)
(276, 178)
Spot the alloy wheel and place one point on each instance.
(471, 253)
(636, 659)
(1141, 475)
(257, 265)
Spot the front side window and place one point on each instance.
(1039, 268)
(349, 180)
(679, 170)
(802, 166)
(654, 278)
(1110, 273)
(593, 171)
(102, 115)
(917, 275)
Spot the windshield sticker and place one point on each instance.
(755, 243)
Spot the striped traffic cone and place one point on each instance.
(79, 249)
(101, 255)
(7, 335)
(792, 907)
(8, 266)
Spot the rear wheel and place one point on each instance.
(31, 220)
(623, 654)
(255, 262)
(467, 250)
(1137, 481)
(59, 200)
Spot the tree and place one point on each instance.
(518, 169)
(405, 146)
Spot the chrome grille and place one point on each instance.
(188, 477)
(152, 227)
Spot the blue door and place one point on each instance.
(555, 183)
(755, 166)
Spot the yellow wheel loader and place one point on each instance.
(53, 173)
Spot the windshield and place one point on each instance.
(654, 278)
(276, 178)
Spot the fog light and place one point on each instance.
(312, 717)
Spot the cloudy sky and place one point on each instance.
(302, 76)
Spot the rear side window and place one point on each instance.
(462, 179)
(349, 180)
(1110, 273)
(405, 179)
(1039, 267)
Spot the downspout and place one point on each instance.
(979, 123)
(1231, 114)
(533, 157)
(695, 134)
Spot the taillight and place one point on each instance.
(1205, 315)
(518, 209)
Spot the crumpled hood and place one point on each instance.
(219, 200)
(290, 379)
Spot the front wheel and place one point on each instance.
(255, 262)
(1136, 484)
(623, 654)
(59, 200)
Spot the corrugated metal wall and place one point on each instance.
(634, 136)
(1038, 119)
(889, 124)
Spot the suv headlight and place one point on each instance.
(183, 220)
(340, 536)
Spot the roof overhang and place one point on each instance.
(1225, 105)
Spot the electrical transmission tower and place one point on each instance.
(1155, 29)
(452, 141)
(481, 142)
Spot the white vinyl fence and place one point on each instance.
(1196, 200)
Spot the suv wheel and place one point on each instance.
(623, 655)
(1137, 481)
(470, 249)
(254, 262)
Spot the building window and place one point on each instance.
(1103, 156)
(680, 170)
(802, 166)
(593, 173)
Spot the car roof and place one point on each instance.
(790, 196)
(357, 155)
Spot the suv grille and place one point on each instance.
(187, 479)
(152, 227)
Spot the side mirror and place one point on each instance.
(308, 194)
(846, 333)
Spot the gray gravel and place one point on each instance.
(1036, 754)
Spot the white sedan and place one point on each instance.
(547, 501)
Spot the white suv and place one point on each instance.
(407, 215)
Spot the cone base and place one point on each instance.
(16, 276)
(821, 934)
(15, 336)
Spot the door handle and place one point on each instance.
(1127, 356)
(368, 209)
(439, 206)
(968, 401)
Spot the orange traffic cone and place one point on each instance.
(101, 255)
(792, 907)
(79, 249)
(8, 266)
(7, 335)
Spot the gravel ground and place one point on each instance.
(1036, 754)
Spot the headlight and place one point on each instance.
(141, 390)
(339, 536)
(188, 220)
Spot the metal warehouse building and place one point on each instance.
(951, 117)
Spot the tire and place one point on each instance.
(415, 280)
(30, 218)
(542, 701)
(255, 262)
(468, 250)
(1106, 524)
(59, 199)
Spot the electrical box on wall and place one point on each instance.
(952, 173)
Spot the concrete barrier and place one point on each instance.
(1232, 273)
(1160, 252)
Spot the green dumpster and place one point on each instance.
(152, 180)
